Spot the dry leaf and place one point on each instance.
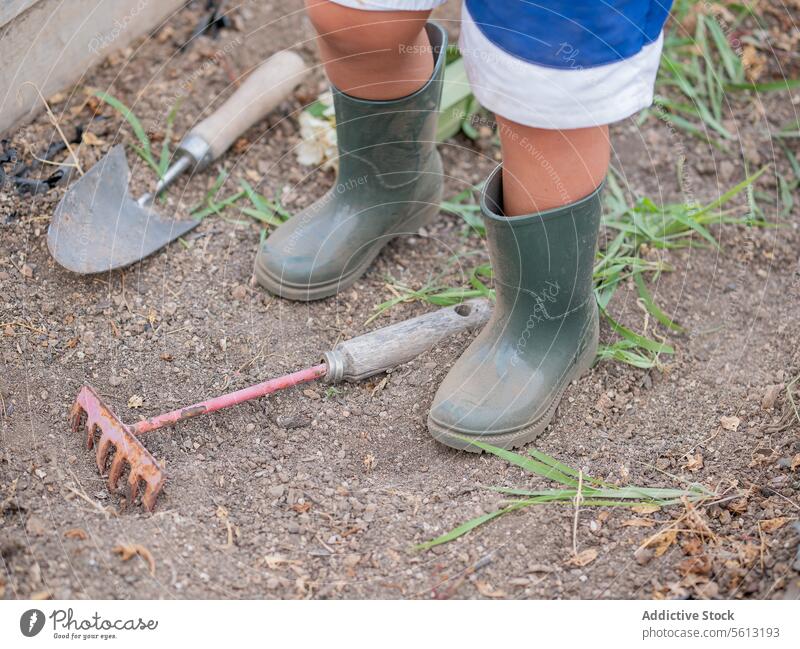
(487, 590)
(729, 423)
(796, 462)
(695, 462)
(301, 508)
(748, 553)
(311, 394)
(738, 506)
(583, 558)
(772, 524)
(753, 62)
(91, 139)
(76, 533)
(663, 541)
(129, 551)
(771, 395)
(638, 522)
(42, 595)
(380, 386)
(369, 462)
(695, 565)
(135, 401)
(275, 561)
(692, 546)
(645, 509)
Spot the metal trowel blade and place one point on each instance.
(98, 227)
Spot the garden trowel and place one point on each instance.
(98, 226)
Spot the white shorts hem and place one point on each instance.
(556, 98)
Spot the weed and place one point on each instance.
(575, 487)
(271, 213)
(211, 204)
(704, 70)
(144, 149)
(465, 205)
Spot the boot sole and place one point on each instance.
(463, 440)
(321, 290)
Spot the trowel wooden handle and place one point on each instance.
(262, 91)
(385, 348)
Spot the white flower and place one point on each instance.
(318, 147)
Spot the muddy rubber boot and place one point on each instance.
(389, 184)
(543, 333)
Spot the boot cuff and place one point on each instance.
(492, 205)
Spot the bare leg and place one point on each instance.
(372, 54)
(543, 168)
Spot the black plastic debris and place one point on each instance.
(29, 179)
(212, 23)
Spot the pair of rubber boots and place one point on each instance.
(543, 333)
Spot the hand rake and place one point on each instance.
(352, 360)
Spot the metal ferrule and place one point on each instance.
(335, 362)
(196, 148)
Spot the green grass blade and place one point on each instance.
(464, 528)
(641, 341)
(530, 465)
(136, 125)
(766, 86)
(651, 306)
(163, 162)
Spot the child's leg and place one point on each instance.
(372, 54)
(557, 73)
(543, 169)
(387, 69)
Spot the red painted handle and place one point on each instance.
(227, 400)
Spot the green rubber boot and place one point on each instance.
(543, 333)
(389, 184)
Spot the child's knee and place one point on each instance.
(350, 32)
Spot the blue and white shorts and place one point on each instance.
(556, 64)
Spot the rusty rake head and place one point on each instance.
(127, 448)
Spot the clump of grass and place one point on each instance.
(268, 212)
(465, 205)
(435, 292)
(575, 486)
(699, 72)
(211, 203)
(640, 227)
(144, 149)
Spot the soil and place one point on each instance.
(323, 494)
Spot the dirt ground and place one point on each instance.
(322, 495)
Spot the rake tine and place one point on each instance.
(132, 487)
(117, 466)
(90, 428)
(103, 449)
(150, 495)
(75, 414)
